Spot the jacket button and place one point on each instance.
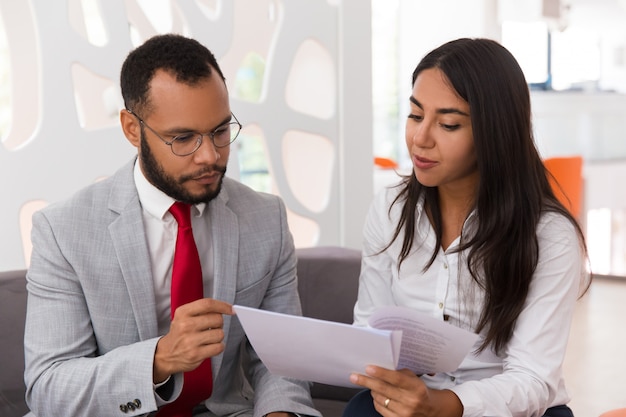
(137, 403)
(123, 408)
(131, 406)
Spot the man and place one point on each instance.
(102, 338)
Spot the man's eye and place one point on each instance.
(221, 130)
(186, 137)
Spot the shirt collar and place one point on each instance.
(469, 226)
(154, 201)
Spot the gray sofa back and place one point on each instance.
(328, 281)
(12, 318)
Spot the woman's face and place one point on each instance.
(439, 134)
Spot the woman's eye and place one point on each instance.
(416, 117)
(450, 127)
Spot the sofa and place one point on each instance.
(12, 317)
(327, 281)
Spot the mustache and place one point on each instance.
(206, 170)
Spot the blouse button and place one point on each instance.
(440, 305)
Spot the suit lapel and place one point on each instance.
(129, 239)
(225, 241)
(128, 236)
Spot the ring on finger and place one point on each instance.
(386, 403)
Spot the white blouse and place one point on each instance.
(527, 378)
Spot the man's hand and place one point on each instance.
(195, 334)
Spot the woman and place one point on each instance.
(476, 237)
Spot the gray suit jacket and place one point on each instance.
(91, 326)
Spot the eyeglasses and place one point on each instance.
(187, 143)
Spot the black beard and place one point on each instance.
(171, 186)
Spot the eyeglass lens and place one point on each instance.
(222, 136)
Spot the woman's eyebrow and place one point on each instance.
(451, 110)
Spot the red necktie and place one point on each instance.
(187, 287)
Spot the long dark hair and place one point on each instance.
(513, 189)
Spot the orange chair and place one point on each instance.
(385, 163)
(615, 413)
(567, 181)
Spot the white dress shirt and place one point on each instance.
(527, 378)
(161, 230)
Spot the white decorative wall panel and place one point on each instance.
(309, 108)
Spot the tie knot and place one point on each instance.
(182, 213)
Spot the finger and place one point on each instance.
(387, 405)
(194, 348)
(399, 378)
(202, 326)
(377, 386)
(211, 349)
(210, 337)
(211, 305)
(205, 306)
(378, 398)
(381, 401)
(361, 380)
(381, 373)
(208, 321)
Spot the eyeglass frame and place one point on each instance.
(200, 136)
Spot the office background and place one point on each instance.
(320, 86)
(297, 72)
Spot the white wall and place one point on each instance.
(64, 132)
(590, 123)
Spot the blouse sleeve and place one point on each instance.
(375, 277)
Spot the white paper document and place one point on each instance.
(328, 352)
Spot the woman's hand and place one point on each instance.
(402, 393)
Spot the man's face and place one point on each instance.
(177, 108)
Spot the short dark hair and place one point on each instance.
(186, 58)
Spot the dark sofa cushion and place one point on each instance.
(12, 318)
(328, 282)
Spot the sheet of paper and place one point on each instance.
(428, 345)
(316, 350)
(328, 352)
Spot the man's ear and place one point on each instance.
(130, 127)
